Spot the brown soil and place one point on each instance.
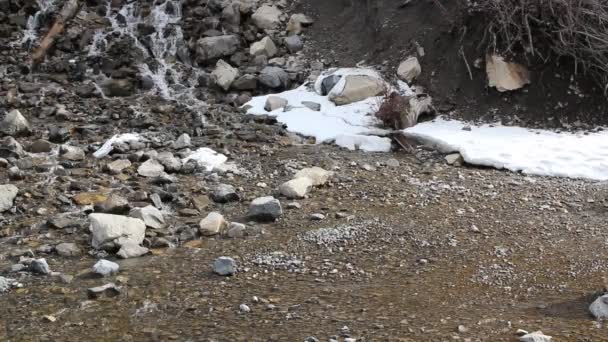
(344, 35)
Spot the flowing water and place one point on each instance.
(30, 34)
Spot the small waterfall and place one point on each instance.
(30, 34)
(171, 79)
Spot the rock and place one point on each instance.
(231, 14)
(41, 146)
(107, 290)
(8, 192)
(392, 162)
(68, 249)
(599, 307)
(114, 204)
(213, 224)
(454, 159)
(118, 166)
(358, 88)
(59, 135)
(296, 22)
(294, 205)
(409, 69)
(169, 162)
(15, 124)
(264, 47)
(224, 266)
(131, 250)
(115, 230)
(236, 230)
(265, 209)
(294, 43)
(121, 87)
(317, 175)
(273, 77)
(224, 74)
(105, 267)
(88, 198)
(151, 168)
(73, 153)
(317, 217)
(296, 188)
(505, 76)
(151, 216)
(266, 17)
(245, 82)
(5, 284)
(312, 105)
(40, 266)
(182, 141)
(224, 193)
(328, 83)
(10, 148)
(536, 336)
(274, 102)
(244, 308)
(215, 47)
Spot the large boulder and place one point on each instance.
(357, 88)
(224, 74)
(8, 192)
(115, 230)
(273, 77)
(15, 123)
(409, 69)
(264, 47)
(505, 76)
(267, 17)
(215, 47)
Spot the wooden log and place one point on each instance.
(68, 11)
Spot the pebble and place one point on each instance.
(294, 205)
(105, 267)
(107, 290)
(131, 249)
(244, 308)
(224, 266)
(317, 217)
(67, 249)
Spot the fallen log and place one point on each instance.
(68, 11)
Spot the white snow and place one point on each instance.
(531, 151)
(107, 147)
(351, 126)
(207, 158)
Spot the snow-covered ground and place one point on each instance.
(353, 126)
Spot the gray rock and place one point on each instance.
(265, 209)
(294, 43)
(409, 69)
(169, 162)
(10, 148)
(312, 105)
(358, 88)
(392, 162)
(15, 124)
(236, 230)
(214, 223)
(41, 146)
(264, 47)
(151, 216)
(182, 141)
(121, 87)
(5, 284)
(115, 230)
(267, 17)
(107, 290)
(8, 192)
(329, 83)
(151, 168)
(118, 166)
(273, 77)
(68, 249)
(40, 266)
(317, 175)
(215, 47)
(3, 163)
(317, 217)
(224, 193)
(296, 188)
(224, 74)
(105, 267)
(71, 153)
(245, 82)
(294, 205)
(599, 307)
(274, 102)
(454, 159)
(224, 266)
(244, 308)
(536, 336)
(131, 250)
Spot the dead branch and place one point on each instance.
(68, 11)
(464, 58)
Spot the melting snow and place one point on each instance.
(207, 158)
(107, 147)
(531, 151)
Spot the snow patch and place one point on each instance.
(108, 146)
(207, 158)
(531, 151)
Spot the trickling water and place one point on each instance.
(171, 79)
(30, 34)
